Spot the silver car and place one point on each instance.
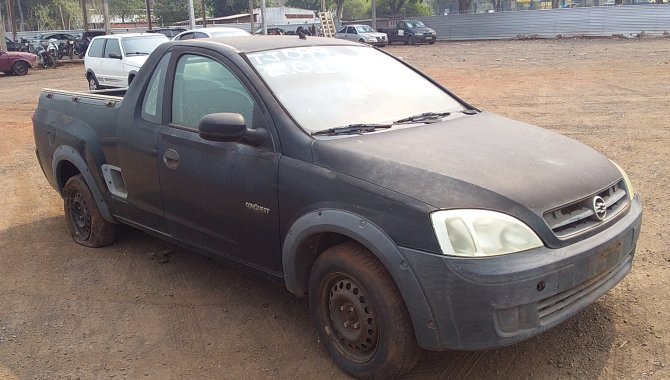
(221, 31)
(363, 34)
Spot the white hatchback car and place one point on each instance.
(220, 31)
(363, 34)
(113, 60)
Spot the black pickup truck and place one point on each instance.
(409, 222)
(410, 32)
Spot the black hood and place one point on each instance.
(478, 161)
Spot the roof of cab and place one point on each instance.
(261, 43)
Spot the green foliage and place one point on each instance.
(55, 14)
(356, 9)
(229, 7)
(126, 9)
(170, 11)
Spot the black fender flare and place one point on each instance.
(66, 153)
(131, 76)
(376, 241)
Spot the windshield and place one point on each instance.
(415, 24)
(143, 45)
(229, 33)
(364, 29)
(331, 86)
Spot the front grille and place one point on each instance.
(550, 308)
(580, 216)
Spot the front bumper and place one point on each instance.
(425, 38)
(494, 302)
(378, 42)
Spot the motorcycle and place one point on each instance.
(47, 53)
(25, 45)
(80, 47)
(66, 48)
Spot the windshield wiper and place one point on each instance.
(426, 117)
(352, 129)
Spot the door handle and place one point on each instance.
(171, 159)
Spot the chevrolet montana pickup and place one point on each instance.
(409, 222)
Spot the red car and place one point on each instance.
(17, 63)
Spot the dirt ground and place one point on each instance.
(144, 309)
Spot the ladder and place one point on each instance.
(327, 24)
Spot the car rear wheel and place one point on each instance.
(84, 220)
(360, 314)
(20, 68)
(93, 83)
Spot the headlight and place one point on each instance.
(481, 233)
(629, 184)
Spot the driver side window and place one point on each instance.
(203, 86)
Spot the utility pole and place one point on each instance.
(105, 13)
(204, 13)
(12, 18)
(84, 14)
(251, 15)
(3, 43)
(374, 15)
(191, 14)
(264, 25)
(148, 14)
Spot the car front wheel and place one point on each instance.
(360, 314)
(20, 68)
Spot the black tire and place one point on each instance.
(410, 40)
(20, 68)
(86, 224)
(93, 82)
(360, 314)
(431, 43)
(361, 40)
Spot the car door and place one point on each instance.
(351, 33)
(138, 158)
(219, 196)
(5, 62)
(112, 68)
(94, 57)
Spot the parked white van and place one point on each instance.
(113, 60)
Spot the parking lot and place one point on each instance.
(142, 308)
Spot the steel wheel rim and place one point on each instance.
(80, 215)
(91, 84)
(350, 317)
(21, 69)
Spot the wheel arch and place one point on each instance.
(23, 61)
(66, 163)
(318, 230)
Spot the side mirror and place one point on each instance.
(222, 127)
(229, 127)
(114, 55)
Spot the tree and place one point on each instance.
(171, 11)
(127, 8)
(229, 7)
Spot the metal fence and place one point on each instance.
(550, 23)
